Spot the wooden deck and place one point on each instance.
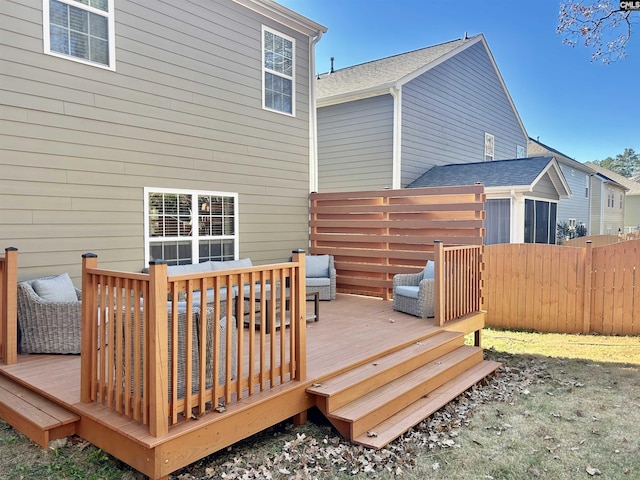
(352, 332)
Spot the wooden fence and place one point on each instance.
(8, 306)
(600, 240)
(549, 288)
(162, 355)
(374, 235)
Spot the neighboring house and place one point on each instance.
(575, 210)
(620, 199)
(522, 195)
(138, 130)
(382, 124)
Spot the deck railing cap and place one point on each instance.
(89, 255)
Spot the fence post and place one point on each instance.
(89, 310)
(588, 265)
(438, 294)
(10, 309)
(301, 307)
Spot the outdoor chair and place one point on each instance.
(49, 315)
(413, 292)
(321, 276)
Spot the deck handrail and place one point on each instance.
(458, 274)
(162, 356)
(9, 306)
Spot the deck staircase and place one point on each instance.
(37, 417)
(376, 402)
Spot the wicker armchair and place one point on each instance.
(48, 326)
(321, 276)
(413, 292)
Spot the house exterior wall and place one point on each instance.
(545, 190)
(577, 206)
(606, 219)
(355, 145)
(447, 110)
(183, 109)
(632, 213)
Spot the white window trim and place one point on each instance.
(112, 33)
(293, 72)
(492, 142)
(520, 151)
(196, 237)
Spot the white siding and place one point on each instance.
(355, 145)
(447, 110)
(182, 110)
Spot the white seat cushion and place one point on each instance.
(318, 282)
(317, 266)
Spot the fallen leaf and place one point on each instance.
(593, 471)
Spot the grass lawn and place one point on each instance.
(560, 407)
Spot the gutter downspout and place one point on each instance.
(313, 116)
(396, 165)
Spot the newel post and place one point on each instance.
(89, 310)
(438, 293)
(588, 265)
(301, 307)
(157, 349)
(10, 302)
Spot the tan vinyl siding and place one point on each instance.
(182, 110)
(355, 145)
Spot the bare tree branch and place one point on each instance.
(600, 26)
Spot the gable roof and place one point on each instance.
(380, 75)
(517, 174)
(633, 188)
(537, 148)
(377, 77)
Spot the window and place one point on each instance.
(80, 30)
(497, 221)
(621, 200)
(519, 151)
(610, 198)
(540, 221)
(488, 146)
(278, 70)
(184, 227)
(586, 187)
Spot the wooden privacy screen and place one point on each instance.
(375, 234)
(548, 288)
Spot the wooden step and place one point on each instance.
(38, 418)
(371, 409)
(346, 387)
(396, 425)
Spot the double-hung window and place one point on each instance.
(190, 226)
(80, 30)
(278, 72)
(540, 221)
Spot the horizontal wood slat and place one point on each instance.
(391, 231)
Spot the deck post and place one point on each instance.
(157, 349)
(301, 330)
(9, 309)
(87, 366)
(588, 265)
(438, 293)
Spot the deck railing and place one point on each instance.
(8, 306)
(175, 346)
(458, 274)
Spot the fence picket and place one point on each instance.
(564, 289)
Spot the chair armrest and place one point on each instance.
(407, 279)
(426, 288)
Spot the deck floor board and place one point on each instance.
(351, 330)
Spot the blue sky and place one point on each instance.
(587, 111)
